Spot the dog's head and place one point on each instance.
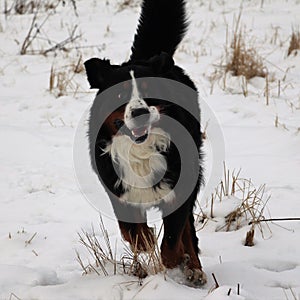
(140, 113)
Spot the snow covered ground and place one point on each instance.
(42, 208)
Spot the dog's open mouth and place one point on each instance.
(137, 135)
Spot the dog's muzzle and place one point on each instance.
(138, 125)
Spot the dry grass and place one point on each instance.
(251, 208)
(243, 59)
(36, 33)
(102, 260)
(294, 43)
(14, 296)
(78, 66)
(62, 81)
(21, 7)
(141, 264)
(101, 253)
(249, 241)
(125, 4)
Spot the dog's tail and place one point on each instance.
(161, 28)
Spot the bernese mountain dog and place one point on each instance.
(145, 138)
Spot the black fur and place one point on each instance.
(162, 25)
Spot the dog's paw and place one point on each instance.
(138, 270)
(195, 277)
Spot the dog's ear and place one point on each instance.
(97, 69)
(161, 63)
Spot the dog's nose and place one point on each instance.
(141, 112)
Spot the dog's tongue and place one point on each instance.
(137, 132)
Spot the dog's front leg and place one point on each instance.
(139, 235)
(172, 248)
(179, 246)
(133, 225)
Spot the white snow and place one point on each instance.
(42, 208)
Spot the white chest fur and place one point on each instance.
(137, 165)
